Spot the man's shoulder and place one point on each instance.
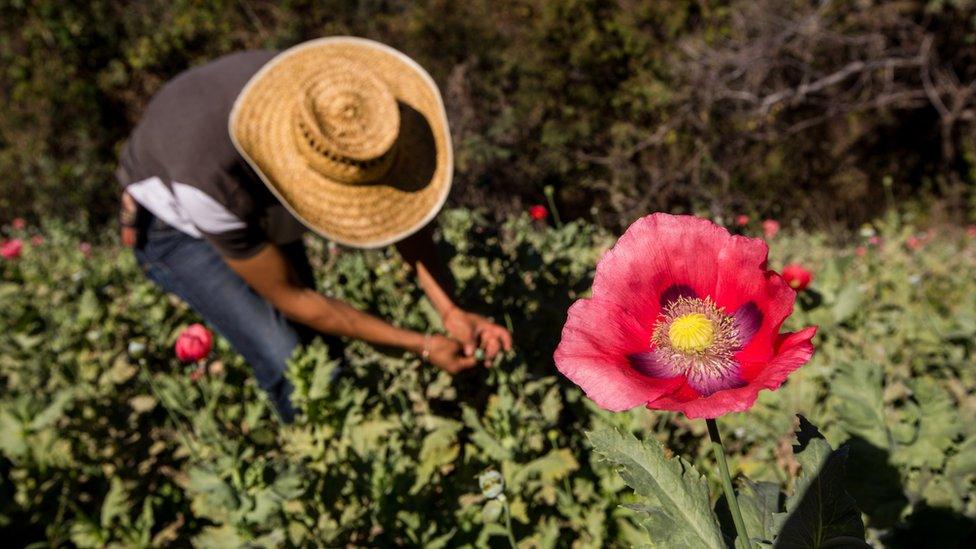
(221, 78)
(183, 131)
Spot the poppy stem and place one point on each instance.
(742, 536)
(548, 190)
(508, 526)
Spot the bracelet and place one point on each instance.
(425, 353)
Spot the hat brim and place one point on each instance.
(365, 215)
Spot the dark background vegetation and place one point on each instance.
(821, 111)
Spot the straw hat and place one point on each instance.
(351, 136)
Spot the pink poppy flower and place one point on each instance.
(914, 243)
(860, 251)
(875, 240)
(797, 277)
(684, 317)
(741, 220)
(538, 212)
(85, 248)
(770, 227)
(18, 223)
(11, 249)
(194, 343)
(37, 240)
(971, 231)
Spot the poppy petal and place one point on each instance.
(658, 252)
(596, 341)
(793, 350)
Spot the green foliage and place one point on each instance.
(623, 107)
(676, 507)
(677, 512)
(105, 440)
(819, 512)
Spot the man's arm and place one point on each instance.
(473, 330)
(271, 276)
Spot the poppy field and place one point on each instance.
(124, 425)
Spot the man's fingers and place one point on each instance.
(505, 337)
(502, 336)
(498, 334)
(491, 350)
(466, 362)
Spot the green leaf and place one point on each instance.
(86, 534)
(550, 468)
(53, 411)
(439, 448)
(142, 403)
(820, 509)
(116, 502)
(552, 405)
(759, 503)
(13, 441)
(212, 497)
(322, 378)
(847, 302)
(963, 462)
(677, 512)
(492, 511)
(218, 537)
(939, 424)
(289, 484)
(488, 444)
(858, 401)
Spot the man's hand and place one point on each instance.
(448, 355)
(475, 331)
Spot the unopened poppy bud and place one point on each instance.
(194, 343)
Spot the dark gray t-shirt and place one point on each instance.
(181, 165)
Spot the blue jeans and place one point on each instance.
(191, 268)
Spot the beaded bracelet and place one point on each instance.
(425, 354)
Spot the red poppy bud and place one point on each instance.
(18, 223)
(860, 251)
(194, 343)
(797, 277)
(971, 231)
(770, 227)
(538, 212)
(11, 249)
(914, 243)
(741, 220)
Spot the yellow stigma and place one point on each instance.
(691, 333)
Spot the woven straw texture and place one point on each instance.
(352, 137)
